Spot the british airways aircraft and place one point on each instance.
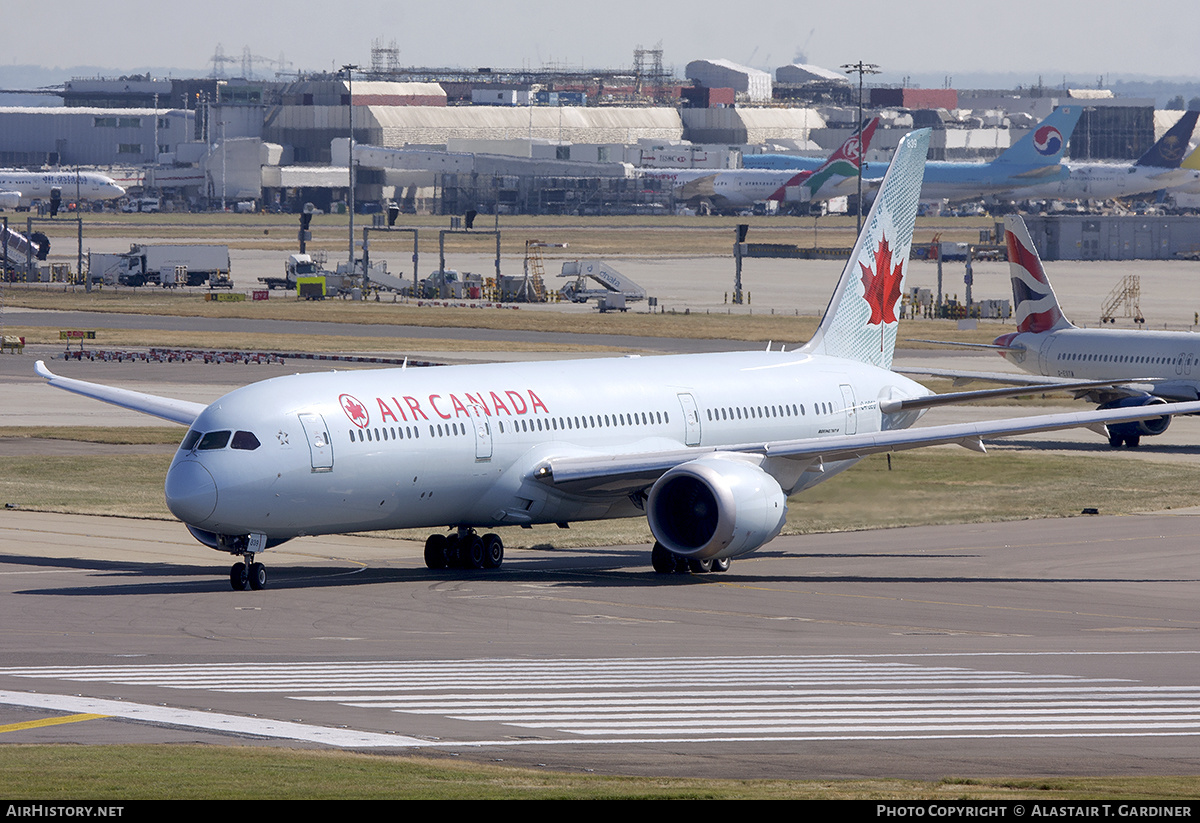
(1034, 159)
(741, 188)
(706, 446)
(20, 188)
(1145, 368)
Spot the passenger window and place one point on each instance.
(245, 441)
(214, 440)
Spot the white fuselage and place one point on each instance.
(30, 186)
(1107, 181)
(742, 188)
(1170, 360)
(456, 445)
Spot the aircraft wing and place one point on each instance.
(1040, 173)
(638, 469)
(1181, 390)
(177, 411)
(698, 188)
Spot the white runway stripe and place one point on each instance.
(736, 698)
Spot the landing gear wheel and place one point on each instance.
(239, 578)
(721, 565)
(493, 551)
(1115, 440)
(435, 551)
(1133, 441)
(475, 555)
(663, 559)
(258, 576)
(699, 566)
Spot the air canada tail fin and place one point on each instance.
(1047, 142)
(1170, 148)
(860, 321)
(1034, 304)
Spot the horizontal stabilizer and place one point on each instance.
(988, 346)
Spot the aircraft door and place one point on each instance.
(483, 433)
(851, 409)
(320, 448)
(691, 420)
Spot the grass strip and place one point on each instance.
(147, 772)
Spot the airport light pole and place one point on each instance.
(860, 68)
(349, 69)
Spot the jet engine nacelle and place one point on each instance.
(1138, 428)
(715, 507)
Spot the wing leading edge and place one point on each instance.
(167, 408)
(613, 471)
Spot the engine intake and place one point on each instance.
(715, 507)
(1137, 428)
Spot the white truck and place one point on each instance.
(169, 265)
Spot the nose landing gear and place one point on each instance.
(248, 574)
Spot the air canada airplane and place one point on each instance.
(706, 446)
(1146, 368)
(20, 188)
(740, 188)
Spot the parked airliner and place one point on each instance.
(1034, 159)
(20, 188)
(1158, 169)
(706, 446)
(1144, 368)
(741, 188)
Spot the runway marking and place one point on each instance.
(210, 721)
(51, 721)
(683, 699)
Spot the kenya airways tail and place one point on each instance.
(1035, 307)
(860, 322)
(844, 163)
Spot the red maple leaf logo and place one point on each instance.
(354, 410)
(882, 287)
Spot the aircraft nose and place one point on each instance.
(191, 492)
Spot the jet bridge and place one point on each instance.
(616, 288)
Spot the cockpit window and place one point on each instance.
(214, 440)
(246, 441)
(189, 442)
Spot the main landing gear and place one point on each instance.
(248, 574)
(464, 550)
(666, 561)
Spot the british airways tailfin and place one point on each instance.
(1170, 148)
(1047, 142)
(1034, 304)
(860, 321)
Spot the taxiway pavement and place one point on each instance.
(1039, 647)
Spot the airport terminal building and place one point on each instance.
(535, 138)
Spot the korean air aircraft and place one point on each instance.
(741, 188)
(707, 447)
(20, 188)
(1156, 170)
(1143, 368)
(1034, 159)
